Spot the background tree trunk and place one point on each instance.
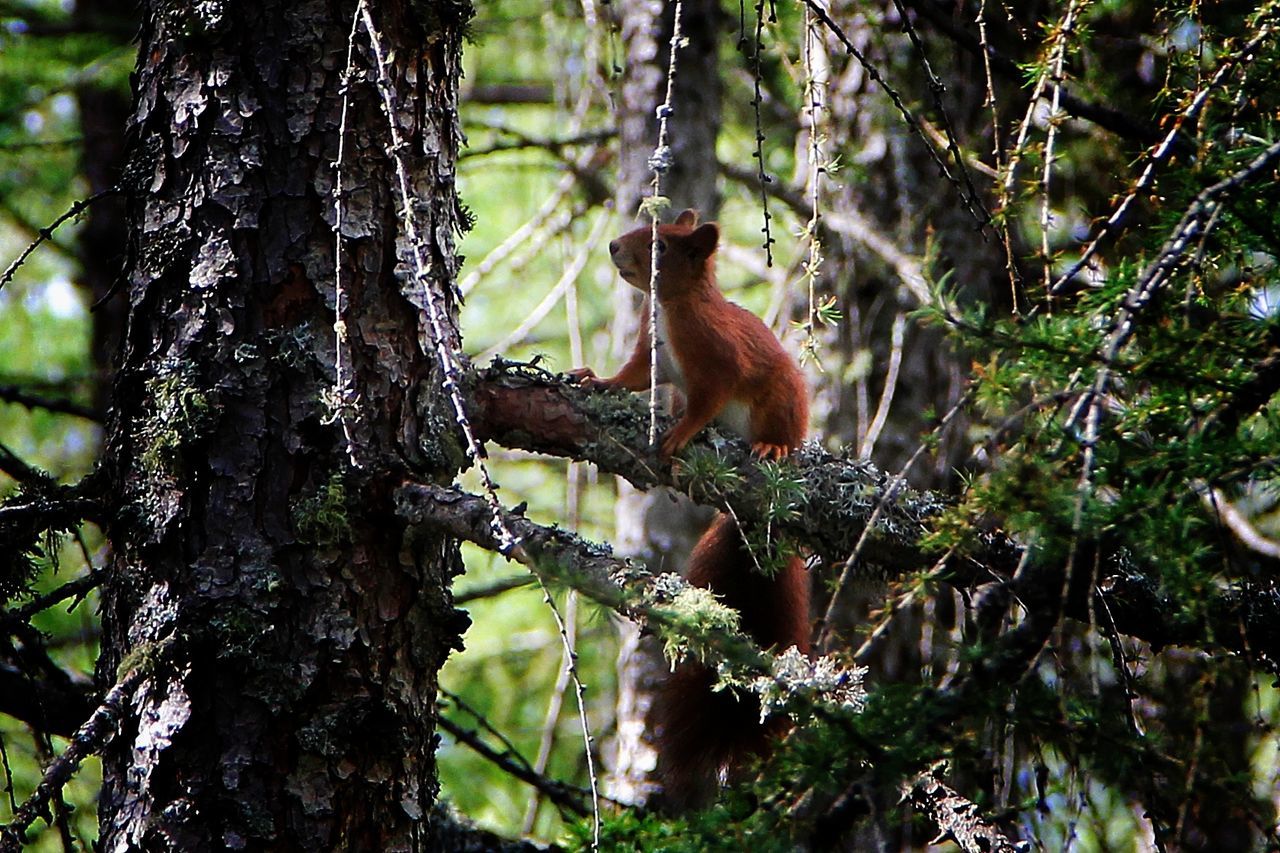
(103, 112)
(658, 526)
(288, 633)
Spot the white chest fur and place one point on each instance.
(668, 365)
(734, 417)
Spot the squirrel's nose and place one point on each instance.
(614, 248)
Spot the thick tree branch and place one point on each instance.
(681, 615)
(526, 408)
(533, 410)
(561, 557)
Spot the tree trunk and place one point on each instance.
(289, 633)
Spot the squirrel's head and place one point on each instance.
(686, 253)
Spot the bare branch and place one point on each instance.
(57, 706)
(567, 797)
(62, 406)
(46, 233)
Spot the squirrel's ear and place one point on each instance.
(703, 240)
(688, 218)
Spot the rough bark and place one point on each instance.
(288, 631)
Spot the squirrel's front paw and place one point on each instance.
(586, 377)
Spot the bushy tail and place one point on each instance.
(701, 733)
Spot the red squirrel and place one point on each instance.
(732, 370)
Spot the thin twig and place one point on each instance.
(557, 792)
(997, 152)
(1058, 62)
(660, 163)
(899, 480)
(759, 152)
(46, 233)
(936, 89)
(77, 589)
(1192, 228)
(61, 406)
(8, 774)
(551, 721)
(490, 590)
(1160, 155)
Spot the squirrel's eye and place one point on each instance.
(662, 246)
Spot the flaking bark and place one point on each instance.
(288, 632)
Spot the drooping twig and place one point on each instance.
(660, 163)
(936, 89)
(814, 97)
(761, 174)
(971, 203)
(347, 398)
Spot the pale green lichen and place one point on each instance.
(818, 681)
(701, 618)
(322, 517)
(178, 413)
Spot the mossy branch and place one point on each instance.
(524, 407)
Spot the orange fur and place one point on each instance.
(728, 364)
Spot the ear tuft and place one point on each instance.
(688, 218)
(702, 242)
